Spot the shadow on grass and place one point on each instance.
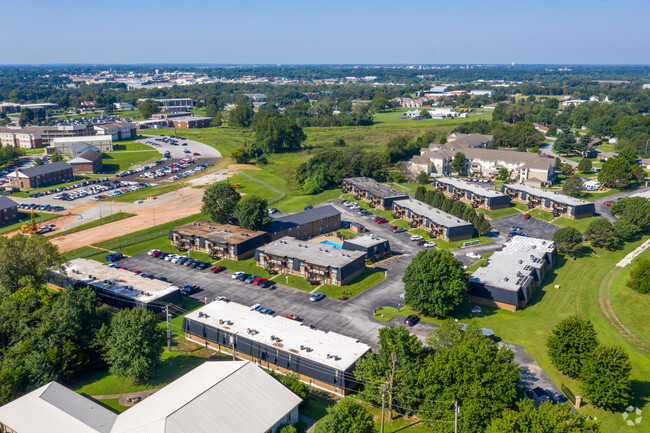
(548, 280)
(640, 393)
(101, 403)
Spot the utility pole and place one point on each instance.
(383, 405)
(169, 329)
(456, 416)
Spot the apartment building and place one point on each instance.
(471, 193)
(437, 223)
(559, 205)
(377, 195)
(306, 224)
(41, 175)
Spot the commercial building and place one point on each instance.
(78, 145)
(176, 104)
(118, 288)
(221, 241)
(471, 193)
(8, 210)
(9, 107)
(117, 131)
(378, 195)
(41, 175)
(171, 115)
(371, 245)
(317, 263)
(25, 138)
(559, 205)
(513, 273)
(190, 122)
(321, 359)
(40, 106)
(218, 396)
(306, 224)
(437, 223)
(89, 161)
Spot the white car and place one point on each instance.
(355, 207)
(416, 238)
(473, 256)
(237, 274)
(429, 244)
(150, 252)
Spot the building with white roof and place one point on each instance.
(221, 396)
(559, 205)
(512, 274)
(120, 288)
(372, 245)
(439, 224)
(103, 143)
(471, 193)
(321, 359)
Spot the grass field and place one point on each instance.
(395, 118)
(500, 213)
(142, 194)
(294, 281)
(113, 403)
(580, 224)
(130, 145)
(366, 280)
(541, 214)
(24, 218)
(248, 266)
(115, 162)
(101, 221)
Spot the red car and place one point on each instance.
(123, 267)
(422, 242)
(136, 272)
(259, 280)
(156, 254)
(218, 269)
(527, 216)
(293, 317)
(608, 203)
(196, 154)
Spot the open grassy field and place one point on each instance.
(593, 287)
(121, 161)
(130, 146)
(395, 118)
(248, 266)
(581, 224)
(500, 213)
(541, 214)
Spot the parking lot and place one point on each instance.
(531, 227)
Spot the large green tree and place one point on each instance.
(585, 165)
(435, 283)
(601, 234)
(547, 418)
(394, 367)
(346, 417)
(572, 186)
(571, 343)
(469, 368)
(133, 344)
(219, 202)
(616, 172)
(252, 213)
(459, 163)
(241, 116)
(639, 278)
(606, 378)
(25, 261)
(148, 108)
(568, 240)
(626, 230)
(274, 135)
(633, 209)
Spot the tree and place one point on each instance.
(38, 161)
(240, 155)
(219, 202)
(616, 172)
(241, 116)
(605, 378)
(571, 343)
(25, 261)
(468, 368)
(217, 120)
(459, 164)
(56, 157)
(566, 169)
(572, 186)
(435, 283)
(633, 209)
(503, 173)
(626, 230)
(423, 177)
(26, 116)
(148, 108)
(274, 135)
(600, 233)
(568, 240)
(252, 213)
(395, 366)
(339, 142)
(211, 110)
(287, 429)
(548, 417)
(346, 417)
(565, 143)
(584, 165)
(133, 344)
(639, 278)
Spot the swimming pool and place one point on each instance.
(332, 244)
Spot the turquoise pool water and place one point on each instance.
(332, 244)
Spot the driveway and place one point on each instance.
(532, 227)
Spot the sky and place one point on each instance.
(325, 32)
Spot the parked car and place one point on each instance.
(267, 284)
(243, 276)
(114, 257)
(272, 211)
(608, 203)
(421, 242)
(188, 289)
(411, 320)
(259, 280)
(527, 216)
(399, 230)
(266, 311)
(429, 244)
(364, 212)
(316, 297)
(473, 256)
(236, 275)
(293, 317)
(416, 238)
(256, 307)
(221, 298)
(309, 207)
(218, 269)
(251, 278)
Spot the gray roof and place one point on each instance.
(375, 188)
(305, 217)
(313, 253)
(7, 203)
(82, 146)
(469, 140)
(538, 192)
(365, 241)
(474, 188)
(434, 215)
(86, 157)
(511, 268)
(530, 160)
(40, 170)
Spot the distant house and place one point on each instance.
(541, 128)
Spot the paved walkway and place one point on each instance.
(123, 399)
(628, 259)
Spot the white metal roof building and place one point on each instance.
(439, 224)
(472, 193)
(321, 359)
(558, 204)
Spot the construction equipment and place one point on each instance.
(32, 228)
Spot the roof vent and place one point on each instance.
(220, 322)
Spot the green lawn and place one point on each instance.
(401, 223)
(130, 145)
(113, 403)
(541, 214)
(101, 221)
(142, 194)
(121, 161)
(500, 213)
(444, 245)
(580, 224)
(248, 266)
(86, 253)
(421, 232)
(369, 278)
(395, 118)
(522, 207)
(24, 218)
(347, 233)
(294, 281)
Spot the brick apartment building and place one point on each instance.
(8, 210)
(41, 175)
(89, 161)
(306, 224)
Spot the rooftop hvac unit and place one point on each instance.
(220, 322)
(200, 313)
(302, 347)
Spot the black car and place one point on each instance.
(189, 289)
(163, 255)
(243, 277)
(203, 265)
(266, 284)
(411, 320)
